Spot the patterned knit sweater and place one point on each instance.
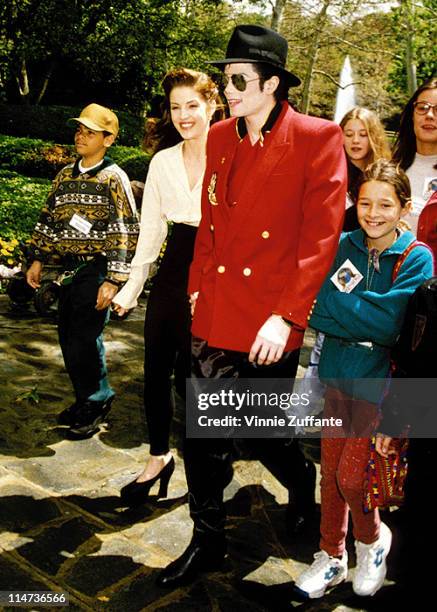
(103, 199)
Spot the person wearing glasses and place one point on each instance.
(272, 210)
(416, 152)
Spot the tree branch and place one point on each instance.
(331, 78)
(424, 7)
(363, 49)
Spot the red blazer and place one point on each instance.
(427, 225)
(272, 251)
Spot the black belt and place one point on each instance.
(71, 262)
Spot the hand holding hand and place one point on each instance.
(270, 341)
(119, 309)
(104, 297)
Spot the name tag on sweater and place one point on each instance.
(346, 277)
(80, 224)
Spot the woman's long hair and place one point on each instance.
(163, 133)
(405, 147)
(378, 143)
(379, 148)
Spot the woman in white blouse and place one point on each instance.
(172, 194)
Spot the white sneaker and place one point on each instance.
(324, 572)
(371, 566)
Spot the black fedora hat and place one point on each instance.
(257, 44)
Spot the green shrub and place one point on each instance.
(21, 199)
(39, 158)
(34, 157)
(51, 123)
(134, 162)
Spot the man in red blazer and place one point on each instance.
(272, 210)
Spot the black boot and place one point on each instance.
(202, 555)
(87, 419)
(208, 467)
(68, 415)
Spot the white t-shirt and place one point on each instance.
(83, 170)
(423, 179)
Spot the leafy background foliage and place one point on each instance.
(21, 199)
(56, 56)
(116, 52)
(36, 157)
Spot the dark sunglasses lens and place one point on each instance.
(238, 81)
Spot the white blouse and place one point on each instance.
(167, 197)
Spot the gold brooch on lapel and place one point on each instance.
(211, 190)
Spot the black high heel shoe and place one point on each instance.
(135, 493)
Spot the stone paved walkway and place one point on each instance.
(62, 525)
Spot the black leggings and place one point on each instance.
(167, 337)
(167, 342)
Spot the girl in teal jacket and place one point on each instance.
(363, 325)
(360, 308)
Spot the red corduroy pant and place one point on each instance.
(343, 464)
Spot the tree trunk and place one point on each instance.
(23, 82)
(278, 9)
(45, 83)
(314, 49)
(410, 60)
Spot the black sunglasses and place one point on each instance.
(238, 81)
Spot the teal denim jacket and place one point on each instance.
(373, 316)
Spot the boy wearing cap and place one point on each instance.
(272, 208)
(90, 222)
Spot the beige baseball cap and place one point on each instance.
(98, 118)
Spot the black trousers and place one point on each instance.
(167, 337)
(167, 340)
(80, 331)
(208, 462)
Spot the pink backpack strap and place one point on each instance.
(403, 256)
